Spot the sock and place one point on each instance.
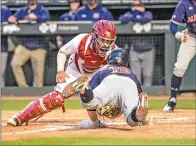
(175, 85)
(133, 114)
(172, 99)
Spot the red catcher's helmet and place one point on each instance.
(105, 36)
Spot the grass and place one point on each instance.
(181, 104)
(9, 105)
(99, 141)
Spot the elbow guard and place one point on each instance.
(87, 96)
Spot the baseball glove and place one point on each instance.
(109, 111)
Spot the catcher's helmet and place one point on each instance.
(119, 56)
(104, 33)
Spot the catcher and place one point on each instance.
(114, 90)
(88, 53)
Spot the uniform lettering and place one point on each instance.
(120, 69)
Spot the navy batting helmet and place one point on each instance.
(119, 56)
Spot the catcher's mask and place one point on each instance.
(119, 57)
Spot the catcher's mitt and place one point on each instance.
(109, 111)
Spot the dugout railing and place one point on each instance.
(165, 46)
(52, 4)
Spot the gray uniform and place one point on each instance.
(185, 12)
(116, 90)
(186, 53)
(142, 63)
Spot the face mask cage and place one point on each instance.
(104, 44)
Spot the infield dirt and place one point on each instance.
(179, 124)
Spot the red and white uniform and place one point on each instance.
(88, 53)
(83, 59)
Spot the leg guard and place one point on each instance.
(40, 106)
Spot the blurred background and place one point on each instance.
(38, 28)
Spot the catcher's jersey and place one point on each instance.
(115, 85)
(83, 56)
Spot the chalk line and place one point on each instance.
(49, 128)
(41, 130)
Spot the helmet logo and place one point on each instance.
(104, 35)
(108, 35)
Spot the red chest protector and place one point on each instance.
(86, 59)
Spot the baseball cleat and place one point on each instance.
(142, 109)
(13, 122)
(76, 86)
(169, 107)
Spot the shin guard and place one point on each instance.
(41, 106)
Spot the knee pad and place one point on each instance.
(41, 106)
(52, 100)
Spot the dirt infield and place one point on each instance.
(179, 124)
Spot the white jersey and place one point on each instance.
(83, 59)
(71, 48)
(83, 55)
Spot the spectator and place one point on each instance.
(142, 50)
(31, 47)
(93, 11)
(68, 16)
(5, 14)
